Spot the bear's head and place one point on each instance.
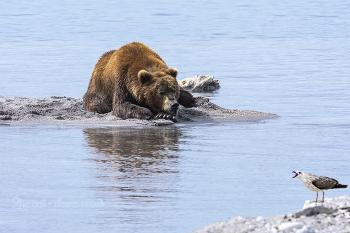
(160, 92)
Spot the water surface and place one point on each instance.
(290, 58)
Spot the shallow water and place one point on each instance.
(288, 58)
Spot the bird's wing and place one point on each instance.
(323, 182)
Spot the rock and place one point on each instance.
(260, 219)
(313, 211)
(67, 110)
(331, 216)
(289, 226)
(341, 202)
(200, 83)
(306, 229)
(331, 220)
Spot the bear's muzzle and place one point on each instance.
(174, 107)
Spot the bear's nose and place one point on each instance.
(174, 105)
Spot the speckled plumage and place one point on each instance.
(317, 183)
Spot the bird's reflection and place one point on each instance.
(135, 162)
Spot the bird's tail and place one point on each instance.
(339, 186)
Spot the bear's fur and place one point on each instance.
(134, 82)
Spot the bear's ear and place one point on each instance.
(172, 72)
(144, 76)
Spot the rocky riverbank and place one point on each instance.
(68, 110)
(331, 216)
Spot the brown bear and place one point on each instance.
(134, 82)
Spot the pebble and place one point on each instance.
(306, 229)
(260, 219)
(331, 220)
(289, 226)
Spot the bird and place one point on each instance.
(318, 183)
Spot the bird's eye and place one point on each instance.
(161, 93)
(299, 172)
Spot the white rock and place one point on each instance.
(252, 227)
(331, 220)
(289, 226)
(200, 83)
(260, 219)
(306, 229)
(308, 204)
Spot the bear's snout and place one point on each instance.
(174, 106)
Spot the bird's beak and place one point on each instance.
(296, 174)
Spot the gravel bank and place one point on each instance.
(67, 110)
(332, 216)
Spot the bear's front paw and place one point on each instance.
(146, 115)
(140, 113)
(200, 101)
(166, 116)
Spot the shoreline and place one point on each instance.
(331, 216)
(69, 111)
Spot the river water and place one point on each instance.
(291, 58)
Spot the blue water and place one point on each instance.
(291, 58)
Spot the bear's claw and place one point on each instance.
(166, 116)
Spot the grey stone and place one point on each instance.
(311, 211)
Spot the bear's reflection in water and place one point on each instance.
(134, 163)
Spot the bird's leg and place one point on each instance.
(323, 197)
(316, 197)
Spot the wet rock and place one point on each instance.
(67, 110)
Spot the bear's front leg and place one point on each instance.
(96, 102)
(187, 100)
(128, 110)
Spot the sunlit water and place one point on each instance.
(290, 58)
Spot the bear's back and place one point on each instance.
(133, 57)
(137, 49)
